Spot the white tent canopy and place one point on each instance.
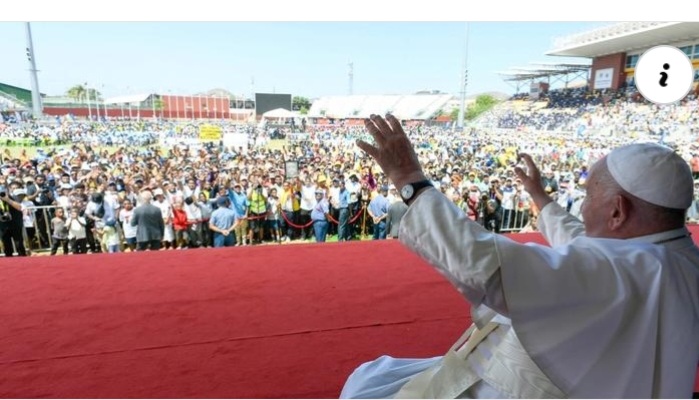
(279, 113)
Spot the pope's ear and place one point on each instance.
(620, 210)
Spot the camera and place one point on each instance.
(5, 217)
(3, 193)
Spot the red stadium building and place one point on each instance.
(172, 106)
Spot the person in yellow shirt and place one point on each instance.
(258, 214)
(289, 201)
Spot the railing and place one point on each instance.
(43, 238)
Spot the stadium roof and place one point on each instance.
(624, 37)
(543, 70)
(414, 107)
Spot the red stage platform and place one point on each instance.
(253, 322)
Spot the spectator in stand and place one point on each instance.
(378, 211)
(206, 210)
(274, 216)
(241, 206)
(59, 232)
(319, 215)
(180, 224)
(109, 236)
(77, 232)
(149, 223)
(130, 231)
(223, 222)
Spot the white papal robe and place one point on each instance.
(602, 318)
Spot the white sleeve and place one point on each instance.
(558, 226)
(463, 251)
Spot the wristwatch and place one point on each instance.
(408, 191)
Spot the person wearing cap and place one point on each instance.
(241, 205)
(610, 309)
(223, 222)
(12, 219)
(378, 211)
(149, 223)
(319, 215)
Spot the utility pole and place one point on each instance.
(37, 107)
(464, 84)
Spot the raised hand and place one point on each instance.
(393, 150)
(531, 180)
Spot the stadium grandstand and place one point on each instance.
(13, 98)
(612, 51)
(416, 107)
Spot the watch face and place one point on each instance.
(407, 192)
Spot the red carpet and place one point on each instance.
(279, 322)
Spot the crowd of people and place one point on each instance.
(79, 190)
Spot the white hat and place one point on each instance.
(66, 186)
(158, 192)
(19, 192)
(652, 173)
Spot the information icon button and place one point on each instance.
(664, 74)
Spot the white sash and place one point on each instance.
(511, 369)
(455, 375)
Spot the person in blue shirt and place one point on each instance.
(319, 216)
(222, 223)
(241, 205)
(343, 231)
(378, 211)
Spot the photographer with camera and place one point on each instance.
(43, 196)
(11, 222)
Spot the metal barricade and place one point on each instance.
(43, 238)
(513, 220)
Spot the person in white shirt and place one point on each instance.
(194, 219)
(308, 201)
(77, 234)
(610, 310)
(63, 199)
(129, 231)
(166, 209)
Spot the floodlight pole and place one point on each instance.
(464, 84)
(36, 94)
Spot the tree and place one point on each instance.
(303, 111)
(454, 114)
(298, 103)
(158, 105)
(76, 93)
(80, 94)
(483, 103)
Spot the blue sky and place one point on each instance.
(302, 58)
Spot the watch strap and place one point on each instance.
(417, 187)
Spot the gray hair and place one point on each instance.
(146, 197)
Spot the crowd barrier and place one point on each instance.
(41, 240)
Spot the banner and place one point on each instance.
(291, 169)
(603, 78)
(210, 132)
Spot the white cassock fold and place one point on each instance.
(600, 317)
